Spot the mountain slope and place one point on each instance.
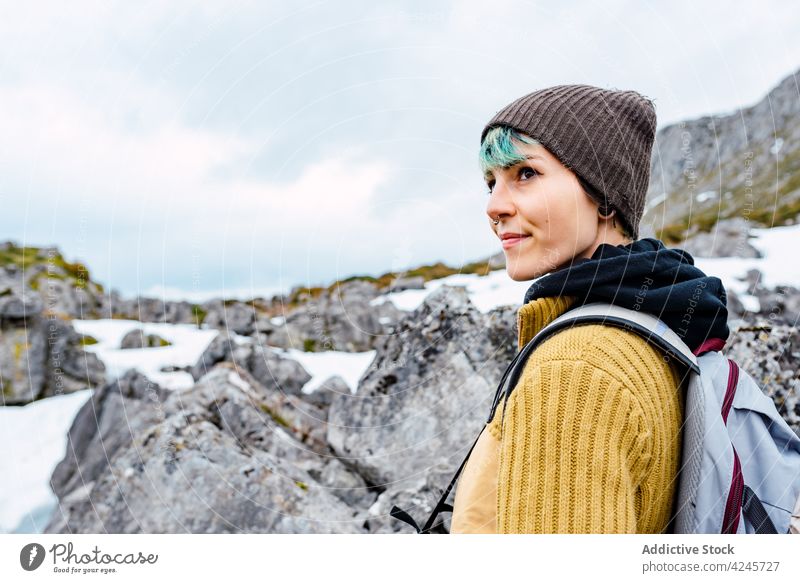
(742, 164)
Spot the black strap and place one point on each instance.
(400, 514)
(756, 514)
(500, 387)
(441, 506)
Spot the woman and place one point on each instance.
(589, 441)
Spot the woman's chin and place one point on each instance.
(521, 272)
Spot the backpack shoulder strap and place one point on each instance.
(646, 325)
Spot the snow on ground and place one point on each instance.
(38, 433)
(188, 343)
(322, 365)
(779, 266)
(486, 292)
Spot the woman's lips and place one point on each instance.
(511, 241)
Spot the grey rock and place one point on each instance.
(220, 349)
(725, 165)
(418, 497)
(106, 424)
(23, 360)
(343, 483)
(426, 394)
(324, 393)
(343, 319)
(233, 316)
(138, 339)
(275, 371)
(769, 353)
(44, 357)
(69, 367)
(728, 238)
(146, 309)
(199, 470)
(16, 307)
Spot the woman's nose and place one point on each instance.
(501, 202)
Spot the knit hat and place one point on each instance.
(604, 136)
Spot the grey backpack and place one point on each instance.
(740, 470)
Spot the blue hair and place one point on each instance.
(498, 149)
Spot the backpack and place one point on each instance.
(740, 470)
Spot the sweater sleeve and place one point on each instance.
(575, 447)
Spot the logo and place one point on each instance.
(31, 556)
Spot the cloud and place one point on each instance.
(202, 146)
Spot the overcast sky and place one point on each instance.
(191, 148)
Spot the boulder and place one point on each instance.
(728, 238)
(41, 356)
(214, 461)
(138, 339)
(427, 393)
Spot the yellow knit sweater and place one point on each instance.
(590, 438)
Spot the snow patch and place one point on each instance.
(706, 195)
(34, 438)
(188, 343)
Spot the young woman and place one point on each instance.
(589, 440)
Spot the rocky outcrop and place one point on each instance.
(69, 367)
(239, 454)
(403, 283)
(231, 315)
(155, 310)
(40, 353)
(102, 429)
(728, 238)
(426, 393)
(778, 305)
(740, 164)
(337, 319)
(64, 288)
(215, 458)
(323, 395)
(273, 370)
(265, 363)
(342, 319)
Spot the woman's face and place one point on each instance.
(542, 200)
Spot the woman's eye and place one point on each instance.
(527, 173)
(489, 186)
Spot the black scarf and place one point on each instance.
(661, 281)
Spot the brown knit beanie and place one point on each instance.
(604, 136)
